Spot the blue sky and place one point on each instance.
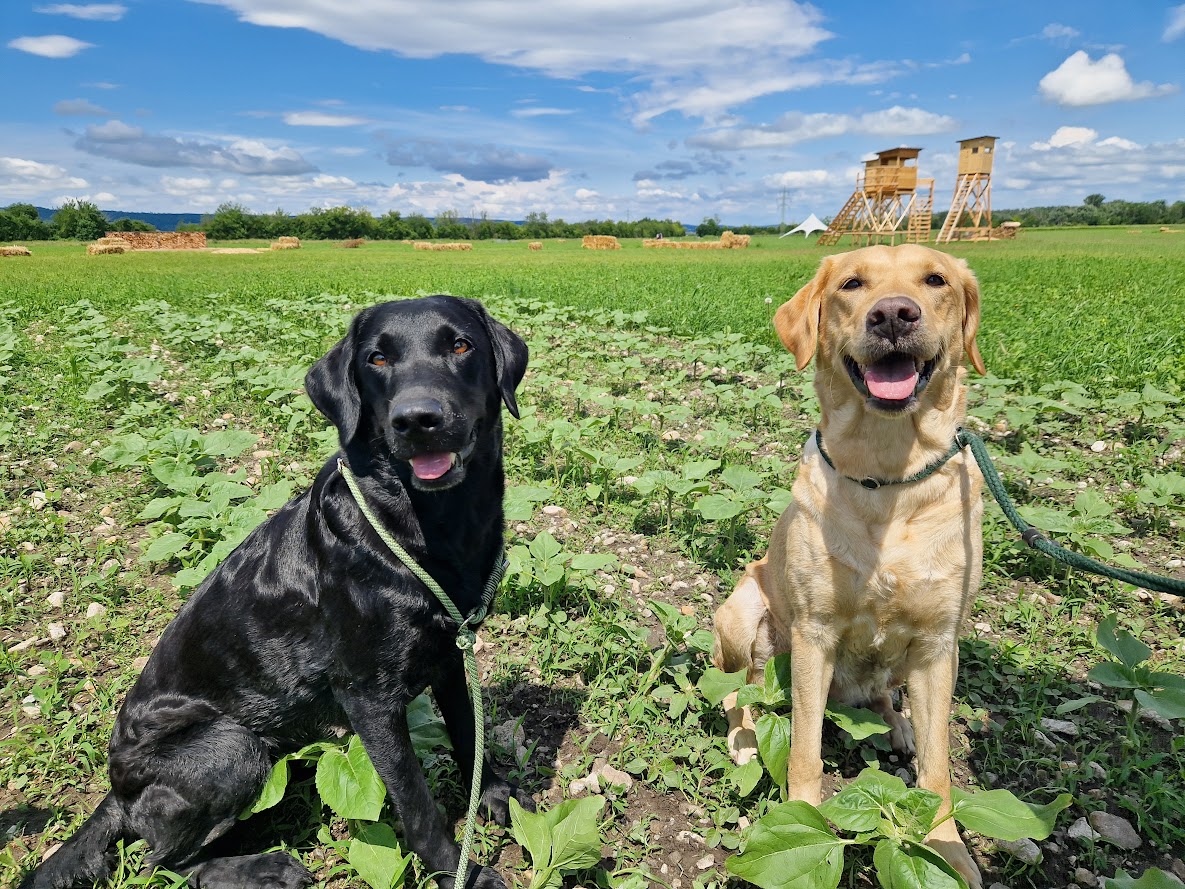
(598, 109)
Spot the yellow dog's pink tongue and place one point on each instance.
(430, 466)
(892, 379)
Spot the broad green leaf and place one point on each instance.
(1168, 702)
(575, 834)
(348, 783)
(856, 721)
(913, 866)
(1153, 878)
(375, 854)
(717, 507)
(227, 442)
(158, 507)
(165, 547)
(532, 832)
(742, 478)
(853, 808)
(274, 496)
(791, 847)
(273, 788)
(1125, 647)
(777, 680)
(544, 546)
(427, 729)
(773, 745)
(715, 685)
(593, 561)
(1115, 676)
(695, 471)
(746, 777)
(1000, 815)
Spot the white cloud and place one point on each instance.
(1176, 24)
(114, 131)
(79, 107)
(322, 119)
(324, 181)
(1120, 142)
(541, 112)
(50, 46)
(22, 169)
(798, 179)
(794, 127)
(1059, 32)
(91, 12)
(1082, 81)
(1064, 136)
(185, 185)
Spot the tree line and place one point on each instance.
(82, 220)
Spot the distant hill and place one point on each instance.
(165, 222)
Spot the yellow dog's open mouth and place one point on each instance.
(893, 382)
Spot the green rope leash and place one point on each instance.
(466, 637)
(1038, 541)
(1030, 535)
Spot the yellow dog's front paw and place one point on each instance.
(742, 745)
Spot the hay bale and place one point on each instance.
(352, 243)
(286, 242)
(600, 242)
(15, 250)
(105, 249)
(424, 245)
(729, 241)
(161, 240)
(535, 245)
(114, 241)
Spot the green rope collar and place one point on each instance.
(466, 637)
(873, 483)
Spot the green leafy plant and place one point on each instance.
(560, 840)
(1162, 692)
(793, 846)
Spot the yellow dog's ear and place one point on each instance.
(797, 321)
(971, 317)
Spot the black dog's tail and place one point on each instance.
(86, 858)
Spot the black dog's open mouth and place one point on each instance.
(436, 470)
(891, 383)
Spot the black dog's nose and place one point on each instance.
(417, 415)
(893, 318)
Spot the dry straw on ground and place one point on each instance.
(286, 242)
(535, 245)
(15, 250)
(424, 245)
(600, 242)
(161, 240)
(728, 241)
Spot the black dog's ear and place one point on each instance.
(333, 388)
(510, 356)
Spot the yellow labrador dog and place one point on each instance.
(872, 569)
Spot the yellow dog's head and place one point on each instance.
(886, 322)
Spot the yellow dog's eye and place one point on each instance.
(936, 281)
(852, 284)
(378, 359)
(461, 346)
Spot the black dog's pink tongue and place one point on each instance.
(892, 379)
(430, 466)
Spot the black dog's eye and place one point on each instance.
(852, 284)
(378, 359)
(936, 281)
(461, 346)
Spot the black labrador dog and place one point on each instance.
(312, 623)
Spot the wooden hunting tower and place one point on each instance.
(888, 194)
(970, 214)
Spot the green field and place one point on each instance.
(151, 413)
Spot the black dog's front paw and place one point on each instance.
(484, 878)
(495, 801)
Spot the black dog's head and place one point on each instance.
(423, 377)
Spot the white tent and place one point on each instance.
(812, 224)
